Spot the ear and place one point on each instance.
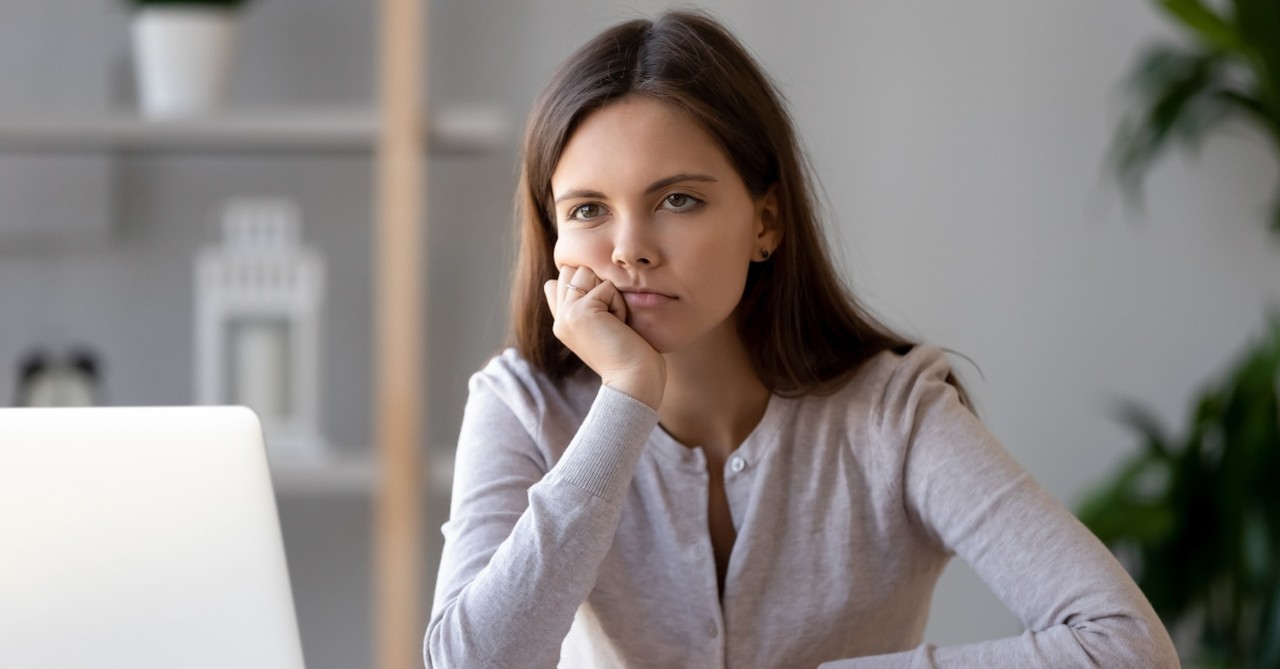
(767, 226)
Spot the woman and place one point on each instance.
(700, 451)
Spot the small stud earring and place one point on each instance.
(764, 254)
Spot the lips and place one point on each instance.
(645, 298)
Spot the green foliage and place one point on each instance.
(1230, 69)
(1200, 514)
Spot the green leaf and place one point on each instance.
(1132, 506)
(1145, 423)
(1143, 523)
(1258, 23)
(1207, 535)
(1204, 24)
(1246, 103)
(1232, 66)
(1177, 91)
(1268, 654)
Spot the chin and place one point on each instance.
(668, 337)
(661, 345)
(661, 342)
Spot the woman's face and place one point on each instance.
(647, 200)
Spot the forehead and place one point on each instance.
(633, 142)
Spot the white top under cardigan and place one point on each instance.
(579, 526)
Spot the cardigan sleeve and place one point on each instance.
(965, 492)
(523, 543)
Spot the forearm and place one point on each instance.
(517, 608)
(968, 495)
(1115, 643)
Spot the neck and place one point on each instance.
(713, 397)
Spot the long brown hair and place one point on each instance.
(804, 330)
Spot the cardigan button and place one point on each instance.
(737, 464)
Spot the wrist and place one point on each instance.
(647, 387)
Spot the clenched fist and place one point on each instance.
(590, 318)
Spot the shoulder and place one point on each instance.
(896, 401)
(871, 421)
(906, 380)
(888, 392)
(890, 377)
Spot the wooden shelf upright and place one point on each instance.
(400, 334)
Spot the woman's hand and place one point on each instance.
(590, 318)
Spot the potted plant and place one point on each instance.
(181, 54)
(1196, 517)
(1229, 71)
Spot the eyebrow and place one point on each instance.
(655, 186)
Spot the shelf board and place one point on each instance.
(353, 474)
(462, 130)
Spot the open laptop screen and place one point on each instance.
(140, 537)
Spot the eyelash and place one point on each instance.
(693, 203)
(573, 213)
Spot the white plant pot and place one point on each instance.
(181, 56)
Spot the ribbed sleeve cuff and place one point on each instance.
(603, 455)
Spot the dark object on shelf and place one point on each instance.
(73, 379)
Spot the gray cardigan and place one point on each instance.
(578, 536)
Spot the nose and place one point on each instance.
(633, 244)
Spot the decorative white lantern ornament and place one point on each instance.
(259, 302)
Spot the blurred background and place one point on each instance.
(961, 153)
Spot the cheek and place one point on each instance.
(576, 249)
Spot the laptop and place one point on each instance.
(140, 538)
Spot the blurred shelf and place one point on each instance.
(350, 474)
(456, 130)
